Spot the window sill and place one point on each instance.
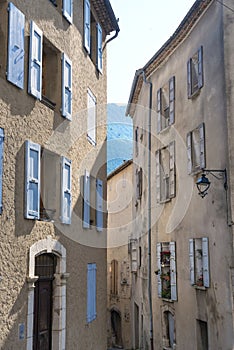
(199, 287)
(194, 94)
(168, 300)
(48, 102)
(165, 130)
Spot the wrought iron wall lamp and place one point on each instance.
(203, 183)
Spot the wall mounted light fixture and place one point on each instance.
(203, 183)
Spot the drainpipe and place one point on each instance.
(149, 212)
(110, 39)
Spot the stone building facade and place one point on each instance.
(181, 103)
(53, 173)
(119, 199)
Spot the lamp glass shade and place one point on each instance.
(203, 185)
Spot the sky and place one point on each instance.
(145, 25)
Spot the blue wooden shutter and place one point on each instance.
(205, 262)
(35, 61)
(32, 180)
(66, 87)
(191, 261)
(15, 67)
(87, 25)
(173, 271)
(66, 191)
(68, 10)
(159, 268)
(159, 110)
(91, 292)
(172, 100)
(99, 205)
(99, 47)
(200, 67)
(86, 203)
(1, 165)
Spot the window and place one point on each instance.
(166, 272)
(91, 118)
(195, 73)
(91, 292)
(199, 262)
(136, 141)
(1, 165)
(133, 250)
(66, 191)
(166, 105)
(165, 173)
(202, 335)
(114, 277)
(15, 67)
(139, 183)
(168, 330)
(196, 149)
(66, 6)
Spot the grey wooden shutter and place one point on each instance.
(159, 110)
(172, 100)
(158, 194)
(202, 146)
(159, 268)
(189, 152)
(205, 262)
(91, 292)
(173, 271)
(200, 67)
(86, 202)
(66, 195)
(140, 182)
(172, 182)
(134, 256)
(189, 78)
(191, 261)
(99, 205)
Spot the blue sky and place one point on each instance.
(144, 28)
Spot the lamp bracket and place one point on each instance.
(222, 172)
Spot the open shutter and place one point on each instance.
(134, 255)
(200, 67)
(35, 61)
(202, 146)
(205, 262)
(189, 152)
(172, 187)
(32, 180)
(191, 262)
(87, 25)
(189, 78)
(99, 205)
(66, 87)
(66, 191)
(99, 47)
(15, 67)
(1, 165)
(159, 268)
(173, 271)
(86, 205)
(91, 122)
(172, 100)
(159, 110)
(91, 292)
(158, 194)
(68, 10)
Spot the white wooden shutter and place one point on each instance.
(15, 67)
(86, 203)
(205, 262)
(159, 268)
(172, 186)
(99, 205)
(172, 100)
(66, 191)
(159, 110)
(189, 78)
(68, 10)
(32, 180)
(91, 121)
(35, 61)
(191, 261)
(189, 152)
(87, 25)
(158, 194)
(173, 271)
(66, 87)
(99, 48)
(200, 67)
(202, 146)
(1, 165)
(91, 292)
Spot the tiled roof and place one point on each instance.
(106, 15)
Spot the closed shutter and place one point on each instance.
(32, 180)
(87, 25)
(15, 67)
(68, 10)
(172, 100)
(189, 152)
(35, 61)
(205, 262)
(99, 205)
(159, 267)
(66, 87)
(159, 110)
(172, 187)
(1, 165)
(91, 122)
(173, 271)
(134, 255)
(200, 67)
(91, 292)
(189, 78)
(158, 194)
(99, 47)
(202, 146)
(86, 203)
(191, 261)
(66, 191)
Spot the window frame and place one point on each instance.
(203, 280)
(170, 95)
(192, 169)
(192, 89)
